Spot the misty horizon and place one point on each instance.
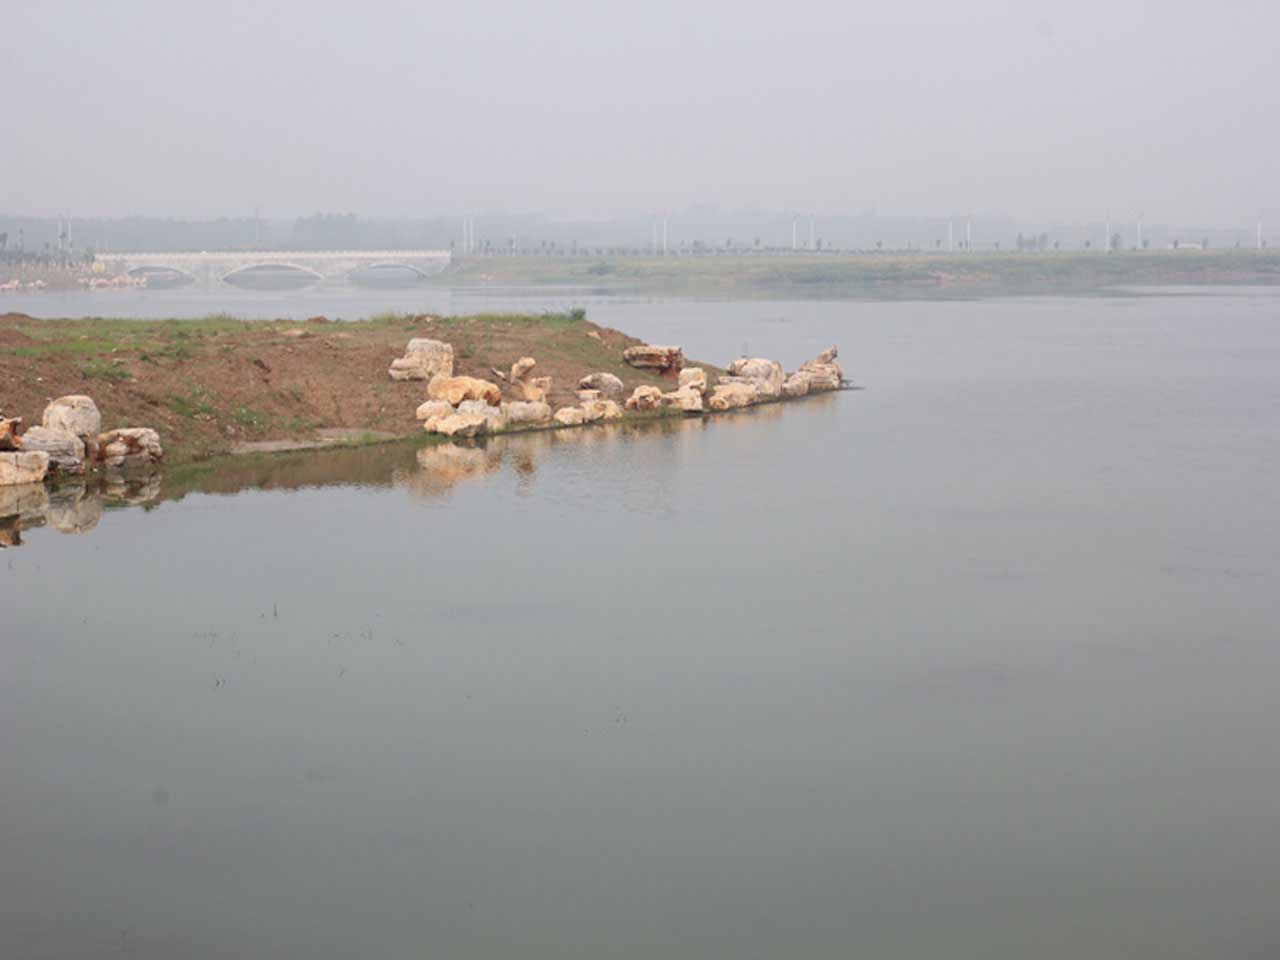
(1041, 114)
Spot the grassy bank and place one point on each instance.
(213, 384)
(887, 275)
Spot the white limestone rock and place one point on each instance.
(23, 466)
(76, 414)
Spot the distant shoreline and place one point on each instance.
(800, 276)
(873, 276)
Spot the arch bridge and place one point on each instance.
(293, 267)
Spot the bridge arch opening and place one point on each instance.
(386, 273)
(272, 276)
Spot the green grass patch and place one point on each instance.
(567, 318)
(251, 419)
(193, 406)
(104, 370)
(62, 347)
(390, 318)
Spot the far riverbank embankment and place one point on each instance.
(871, 275)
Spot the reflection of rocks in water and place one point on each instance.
(69, 507)
(524, 449)
(73, 509)
(442, 466)
(131, 489)
(24, 501)
(21, 506)
(595, 435)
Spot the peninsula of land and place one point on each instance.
(189, 390)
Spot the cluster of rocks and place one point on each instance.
(68, 441)
(687, 397)
(469, 406)
(749, 381)
(461, 406)
(753, 380)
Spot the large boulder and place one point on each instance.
(458, 425)
(687, 398)
(65, 449)
(694, 377)
(643, 398)
(75, 414)
(23, 466)
(653, 357)
(128, 447)
(528, 388)
(454, 390)
(608, 385)
(531, 389)
(733, 395)
(422, 360)
(527, 412)
(824, 373)
(521, 368)
(593, 410)
(494, 417)
(796, 385)
(434, 408)
(767, 375)
(822, 377)
(569, 416)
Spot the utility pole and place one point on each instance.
(664, 236)
(794, 227)
(813, 242)
(653, 237)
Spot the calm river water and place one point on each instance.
(979, 662)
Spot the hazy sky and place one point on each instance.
(1063, 111)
